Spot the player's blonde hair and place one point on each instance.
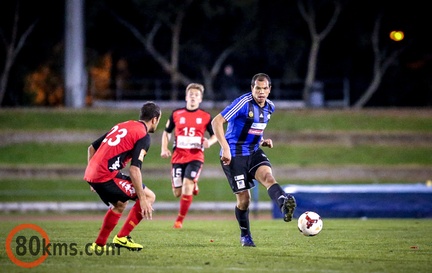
(193, 85)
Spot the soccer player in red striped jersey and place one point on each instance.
(126, 142)
(189, 124)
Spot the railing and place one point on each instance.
(328, 93)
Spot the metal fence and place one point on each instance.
(326, 93)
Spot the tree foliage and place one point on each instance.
(183, 41)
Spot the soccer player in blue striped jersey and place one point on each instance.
(242, 159)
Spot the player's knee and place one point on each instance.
(119, 207)
(268, 180)
(243, 203)
(177, 192)
(151, 196)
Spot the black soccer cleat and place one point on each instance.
(288, 207)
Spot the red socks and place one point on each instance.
(110, 221)
(185, 202)
(134, 217)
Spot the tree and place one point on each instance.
(308, 12)
(174, 18)
(209, 75)
(169, 65)
(12, 47)
(382, 61)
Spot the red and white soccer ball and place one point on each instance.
(310, 223)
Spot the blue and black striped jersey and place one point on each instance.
(246, 124)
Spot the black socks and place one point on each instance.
(277, 194)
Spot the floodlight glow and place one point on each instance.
(397, 35)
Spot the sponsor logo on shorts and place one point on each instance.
(240, 181)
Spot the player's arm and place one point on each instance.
(166, 137)
(91, 150)
(165, 152)
(218, 128)
(209, 141)
(212, 139)
(145, 205)
(138, 154)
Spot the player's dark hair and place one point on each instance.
(149, 110)
(260, 77)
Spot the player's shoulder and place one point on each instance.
(242, 100)
(203, 111)
(238, 105)
(271, 104)
(128, 123)
(133, 127)
(179, 110)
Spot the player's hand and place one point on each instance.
(92, 189)
(206, 143)
(267, 143)
(226, 157)
(166, 154)
(225, 160)
(146, 209)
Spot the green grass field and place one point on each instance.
(344, 245)
(381, 120)
(56, 190)
(76, 154)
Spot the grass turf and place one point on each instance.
(292, 120)
(70, 190)
(344, 245)
(76, 154)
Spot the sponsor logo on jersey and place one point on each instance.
(182, 120)
(257, 128)
(255, 132)
(259, 125)
(199, 120)
(115, 165)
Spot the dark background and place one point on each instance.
(278, 42)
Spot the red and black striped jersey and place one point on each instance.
(190, 128)
(126, 142)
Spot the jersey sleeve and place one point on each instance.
(236, 107)
(171, 125)
(209, 128)
(96, 144)
(140, 151)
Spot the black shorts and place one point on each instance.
(190, 170)
(120, 188)
(241, 171)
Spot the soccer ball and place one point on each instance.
(310, 223)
